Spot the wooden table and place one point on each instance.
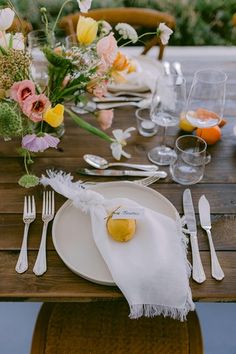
(59, 283)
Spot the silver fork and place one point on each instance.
(40, 266)
(147, 181)
(29, 215)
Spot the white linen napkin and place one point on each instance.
(151, 269)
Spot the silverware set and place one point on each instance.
(198, 273)
(101, 168)
(29, 215)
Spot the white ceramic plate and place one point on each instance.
(144, 79)
(72, 233)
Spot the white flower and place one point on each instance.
(84, 5)
(120, 141)
(6, 18)
(127, 32)
(17, 40)
(105, 27)
(164, 32)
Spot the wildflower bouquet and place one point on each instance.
(36, 113)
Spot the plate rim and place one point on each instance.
(69, 202)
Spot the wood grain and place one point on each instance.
(60, 284)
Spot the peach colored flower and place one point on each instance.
(107, 48)
(97, 87)
(104, 118)
(21, 90)
(35, 106)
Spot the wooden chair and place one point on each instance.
(20, 26)
(103, 327)
(137, 17)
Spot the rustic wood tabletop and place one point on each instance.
(59, 283)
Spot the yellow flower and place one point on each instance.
(86, 30)
(54, 116)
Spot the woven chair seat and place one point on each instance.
(104, 327)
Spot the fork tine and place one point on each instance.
(44, 203)
(49, 202)
(33, 206)
(25, 206)
(46, 209)
(53, 203)
(29, 205)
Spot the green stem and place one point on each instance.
(142, 35)
(25, 163)
(59, 14)
(90, 128)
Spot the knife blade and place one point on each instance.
(205, 220)
(198, 273)
(117, 173)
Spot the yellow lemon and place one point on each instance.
(121, 230)
(54, 116)
(184, 124)
(86, 30)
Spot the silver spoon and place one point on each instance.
(101, 163)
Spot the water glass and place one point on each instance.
(188, 165)
(206, 98)
(146, 127)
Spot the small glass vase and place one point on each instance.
(39, 65)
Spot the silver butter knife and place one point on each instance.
(198, 273)
(205, 219)
(117, 173)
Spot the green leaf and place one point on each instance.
(89, 127)
(55, 59)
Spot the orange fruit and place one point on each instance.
(210, 135)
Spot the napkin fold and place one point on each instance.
(152, 269)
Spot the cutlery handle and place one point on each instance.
(160, 174)
(133, 165)
(40, 265)
(216, 270)
(114, 104)
(22, 263)
(198, 273)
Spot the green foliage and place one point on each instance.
(10, 121)
(198, 22)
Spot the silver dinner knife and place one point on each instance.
(205, 219)
(117, 173)
(198, 273)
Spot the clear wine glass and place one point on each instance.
(168, 102)
(205, 103)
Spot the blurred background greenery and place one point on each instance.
(199, 22)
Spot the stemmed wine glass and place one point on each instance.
(205, 103)
(168, 102)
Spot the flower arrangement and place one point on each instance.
(36, 113)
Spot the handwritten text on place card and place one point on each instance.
(128, 213)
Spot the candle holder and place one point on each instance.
(146, 127)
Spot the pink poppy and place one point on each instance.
(34, 107)
(104, 118)
(21, 90)
(107, 49)
(35, 143)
